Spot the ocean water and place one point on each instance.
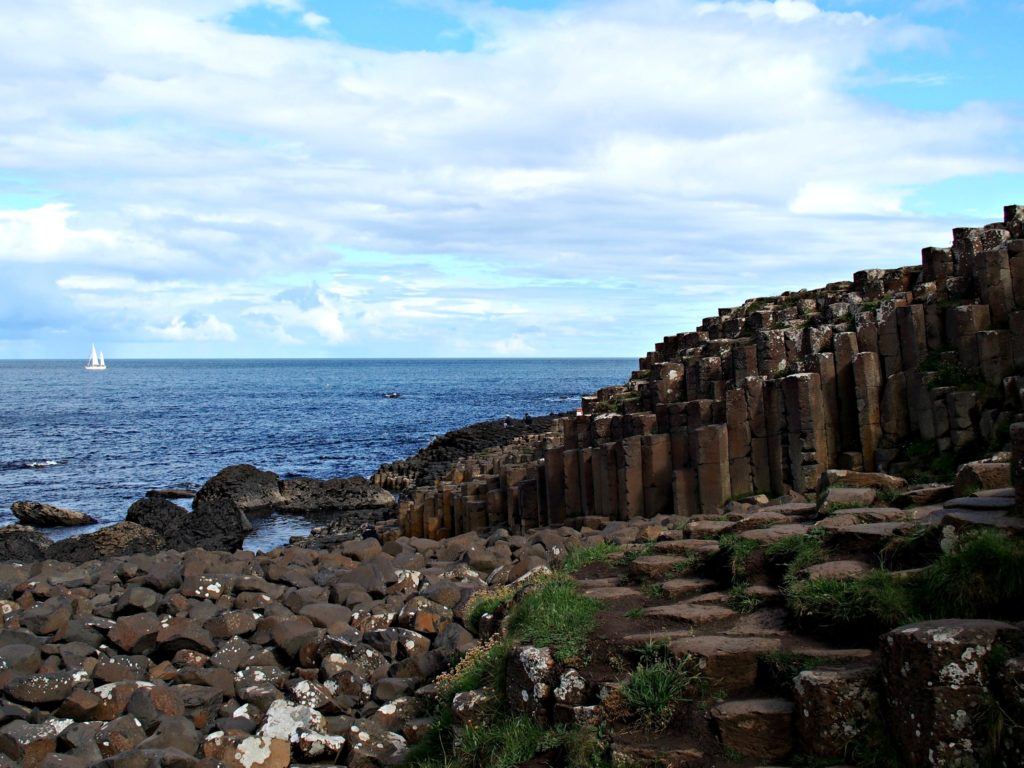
(97, 441)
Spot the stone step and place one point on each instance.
(756, 728)
(675, 589)
(705, 547)
(983, 503)
(612, 594)
(775, 533)
(659, 567)
(730, 663)
(691, 613)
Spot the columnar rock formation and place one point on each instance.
(765, 397)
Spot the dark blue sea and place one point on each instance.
(97, 441)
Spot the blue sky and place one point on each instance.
(293, 178)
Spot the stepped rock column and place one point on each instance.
(846, 348)
(713, 467)
(868, 380)
(738, 421)
(554, 485)
(753, 388)
(657, 460)
(805, 420)
(825, 366)
(775, 429)
(630, 475)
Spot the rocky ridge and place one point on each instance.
(604, 591)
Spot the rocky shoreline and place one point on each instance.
(795, 537)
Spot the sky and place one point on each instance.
(453, 178)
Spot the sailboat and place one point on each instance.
(96, 363)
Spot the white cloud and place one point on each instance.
(314, 20)
(641, 161)
(512, 347)
(44, 234)
(209, 328)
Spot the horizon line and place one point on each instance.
(313, 359)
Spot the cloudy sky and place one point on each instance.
(411, 178)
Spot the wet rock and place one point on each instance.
(118, 539)
(22, 544)
(48, 516)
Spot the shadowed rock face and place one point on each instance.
(48, 516)
(119, 539)
(20, 543)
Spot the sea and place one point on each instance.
(97, 441)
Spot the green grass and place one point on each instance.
(635, 613)
(739, 554)
(982, 576)
(653, 591)
(781, 667)
(794, 553)
(553, 613)
(642, 551)
(876, 602)
(655, 690)
(580, 557)
(949, 372)
(742, 601)
(486, 601)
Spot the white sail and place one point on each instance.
(96, 362)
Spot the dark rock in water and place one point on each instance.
(170, 493)
(22, 543)
(49, 516)
(250, 490)
(119, 539)
(329, 498)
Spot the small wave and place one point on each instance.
(33, 464)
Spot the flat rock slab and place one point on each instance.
(775, 533)
(696, 614)
(766, 622)
(611, 594)
(793, 509)
(762, 519)
(867, 537)
(705, 547)
(757, 728)
(658, 567)
(730, 662)
(705, 529)
(674, 589)
(837, 569)
(981, 502)
(973, 518)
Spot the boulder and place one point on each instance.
(250, 490)
(982, 476)
(118, 539)
(49, 516)
(936, 677)
(330, 498)
(21, 543)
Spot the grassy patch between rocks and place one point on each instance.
(743, 601)
(554, 613)
(486, 601)
(794, 553)
(739, 553)
(580, 557)
(551, 612)
(659, 685)
(980, 577)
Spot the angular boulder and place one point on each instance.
(118, 539)
(49, 516)
(936, 678)
(22, 544)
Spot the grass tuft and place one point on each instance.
(877, 601)
(655, 690)
(739, 553)
(486, 601)
(982, 576)
(578, 558)
(554, 613)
